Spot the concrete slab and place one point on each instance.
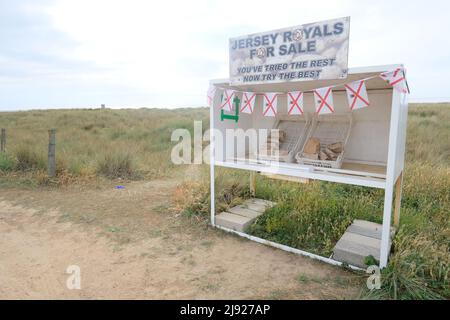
(373, 233)
(266, 203)
(367, 224)
(245, 212)
(255, 207)
(240, 217)
(259, 205)
(233, 221)
(361, 239)
(354, 250)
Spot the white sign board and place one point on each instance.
(311, 51)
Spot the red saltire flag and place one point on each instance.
(270, 104)
(396, 79)
(226, 101)
(210, 95)
(295, 102)
(248, 102)
(357, 95)
(323, 98)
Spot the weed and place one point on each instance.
(371, 261)
(28, 159)
(6, 163)
(114, 229)
(117, 165)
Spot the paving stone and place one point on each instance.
(361, 239)
(233, 221)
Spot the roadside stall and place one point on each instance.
(292, 110)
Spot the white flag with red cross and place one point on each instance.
(210, 95)
(226, 101)
(295, 102)
(248, 102)
(270, 104)
(396, 79)
(323, 98)
(357, 95)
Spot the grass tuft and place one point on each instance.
(117, 165)
(27, 159)
(6, 163)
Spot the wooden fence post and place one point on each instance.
(3, 141)
(51, 153)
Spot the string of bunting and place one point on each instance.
(323, 97)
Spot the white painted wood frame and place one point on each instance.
(394, 165)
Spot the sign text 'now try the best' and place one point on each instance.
(311, 51)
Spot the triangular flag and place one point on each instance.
(323, 98)
(396, 79)
(295, 102)
(226, 101)
(210, 95)
(248, 102)
(270, 104)
(357, 95)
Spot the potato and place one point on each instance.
(312, 146)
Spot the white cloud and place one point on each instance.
(168, 50)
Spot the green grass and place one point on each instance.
(6, 163)
(314, 216)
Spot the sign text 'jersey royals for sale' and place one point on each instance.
(312, 51)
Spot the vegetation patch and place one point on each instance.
(28, 159)
(91, 142)
(136, 143)
(314, 216)
(117, 165)
(6, 163)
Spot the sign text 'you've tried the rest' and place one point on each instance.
(311, 51)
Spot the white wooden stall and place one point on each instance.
(374, 154)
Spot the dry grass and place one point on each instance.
(123, 143)
(136, 144)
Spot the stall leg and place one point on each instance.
(213, 197)
(398, 199)
(253, 183)
(212, 161)
(386, 230)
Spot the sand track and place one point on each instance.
(128, 245)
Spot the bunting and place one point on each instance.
(248, 102)
(396, 79)
(226, 101)
(323, 98)
(270, 104)
(357, 95)
(295, 102)
(210, 95)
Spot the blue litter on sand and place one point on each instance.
(120, 187)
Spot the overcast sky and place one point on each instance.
(135, 53)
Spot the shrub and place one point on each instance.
(117, 165)
(27, 160)
(193, 197)
(6, 163)
(42, 178)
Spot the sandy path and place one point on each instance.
(128, 245)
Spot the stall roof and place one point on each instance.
(353, 74)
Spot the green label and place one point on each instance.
(235, 116)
